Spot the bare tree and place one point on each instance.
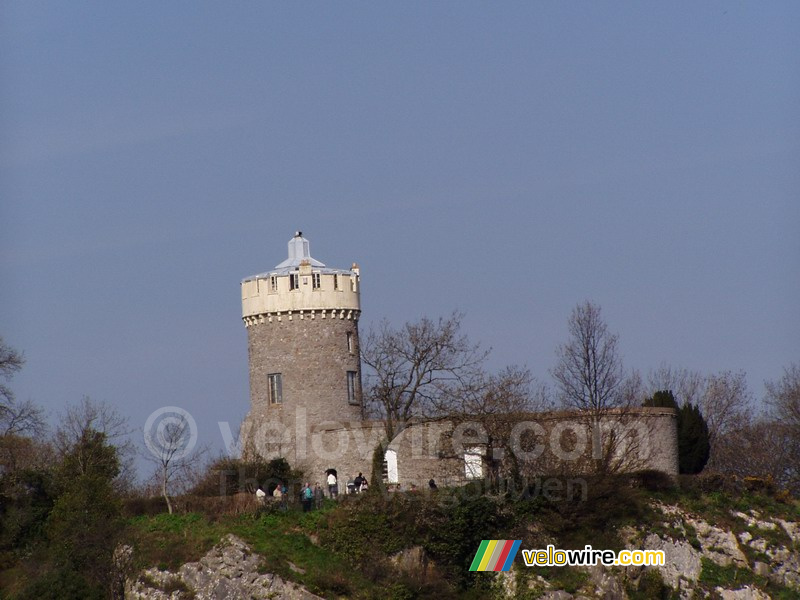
(494, 404)
(590, 377)
(726, 404)
(761, 448)
(16, 417)
(687, 386)
(589, 374)
(171, 445)
(413, 371)
(11, 361)
(21, 418)
(784, 397)
(511, 391)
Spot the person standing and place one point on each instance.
(307, 496)
(318, 495)
(279, 496)
(333, 488)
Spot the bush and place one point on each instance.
(651, 587)
(61, 584)
(228, 476)
(138, 506)
(653, 481)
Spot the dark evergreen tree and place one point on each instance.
(694, 446)
(662, 399)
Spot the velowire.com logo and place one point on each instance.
(495, 555)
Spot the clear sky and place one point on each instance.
(505, 159)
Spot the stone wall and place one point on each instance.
(313, 358)
(544, 444)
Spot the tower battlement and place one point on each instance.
(301, 287)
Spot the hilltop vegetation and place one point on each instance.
(399, 545)
(420, 545)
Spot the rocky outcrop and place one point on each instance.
(682, 561)
(412, 561)
(745, 593)
(229, 571)
(762, 548)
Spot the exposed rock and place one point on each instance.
(745, 537)
(785, 566)
(606, 585)
(556, 595)
(753, 521)
(792, 530)
(295, 568)
(680, 560)
(229, 571)
(761, 569)
(505, 585)
(122, 562)
(718, 545)
(412, 560)
(745, 593)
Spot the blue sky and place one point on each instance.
(508, 160)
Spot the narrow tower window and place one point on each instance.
(351, 387)
(275, 388)
(273, 282)
(335, 281)
(315, 283)
(350, 347)
(294, 281)
(353, 282)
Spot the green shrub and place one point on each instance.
(653, 481)
(228, 476)
(63, 583)
(651, 587)
(714, 575)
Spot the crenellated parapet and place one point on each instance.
(322, 314)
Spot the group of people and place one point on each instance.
(313, 497)
(308, 496)
(355, 486)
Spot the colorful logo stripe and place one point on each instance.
(495, 555)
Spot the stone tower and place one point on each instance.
(305, 372)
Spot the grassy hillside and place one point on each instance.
(346, 549)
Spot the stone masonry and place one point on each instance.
(302, 327)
